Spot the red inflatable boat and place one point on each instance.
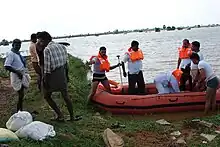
(120, 102)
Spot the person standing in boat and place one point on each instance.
(101, 65)
(212, 82)
(184, 63)
(134, 58)
(168, 82)
(35, 59)
(194, 67)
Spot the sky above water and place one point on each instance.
(20, 18)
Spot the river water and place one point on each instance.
(160, 49)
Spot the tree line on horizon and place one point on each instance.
(156, 29)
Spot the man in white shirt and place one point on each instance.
(194, 67)
(207, 75)
(134, 58)
(16, 65)
(167, 83)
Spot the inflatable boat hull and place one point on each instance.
(150, 103)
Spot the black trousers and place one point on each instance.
(185, 77)
(132, 80)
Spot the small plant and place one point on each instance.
(4, 73)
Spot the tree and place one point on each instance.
(157, 29)
(115, 31)
(164, 27)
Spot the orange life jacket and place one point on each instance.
(134, 56)
(104, 63)
(177, 74)
(184, 53)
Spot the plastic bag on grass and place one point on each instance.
(18, 120)
(36, 130)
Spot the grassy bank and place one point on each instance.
(87, 132)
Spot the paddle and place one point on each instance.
(118, 56)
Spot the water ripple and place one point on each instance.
(160, 49)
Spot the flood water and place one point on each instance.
(160, 49)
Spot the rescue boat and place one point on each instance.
(120, 102)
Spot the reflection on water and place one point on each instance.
(160, 49)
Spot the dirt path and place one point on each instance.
(190, 131)
(6, 94)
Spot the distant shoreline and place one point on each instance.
(128, 31)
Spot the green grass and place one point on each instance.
(3, 72)
(88, 131)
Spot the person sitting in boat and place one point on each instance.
(134, 58)
(101, 65)
(168, 82)
(212, 82)
(194, 67)
(184, 61)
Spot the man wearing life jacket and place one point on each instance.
(101, 65)
(168, 82)
(134, 57)
(184, 63)
(194, 67)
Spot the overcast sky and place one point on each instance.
(20, 18)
